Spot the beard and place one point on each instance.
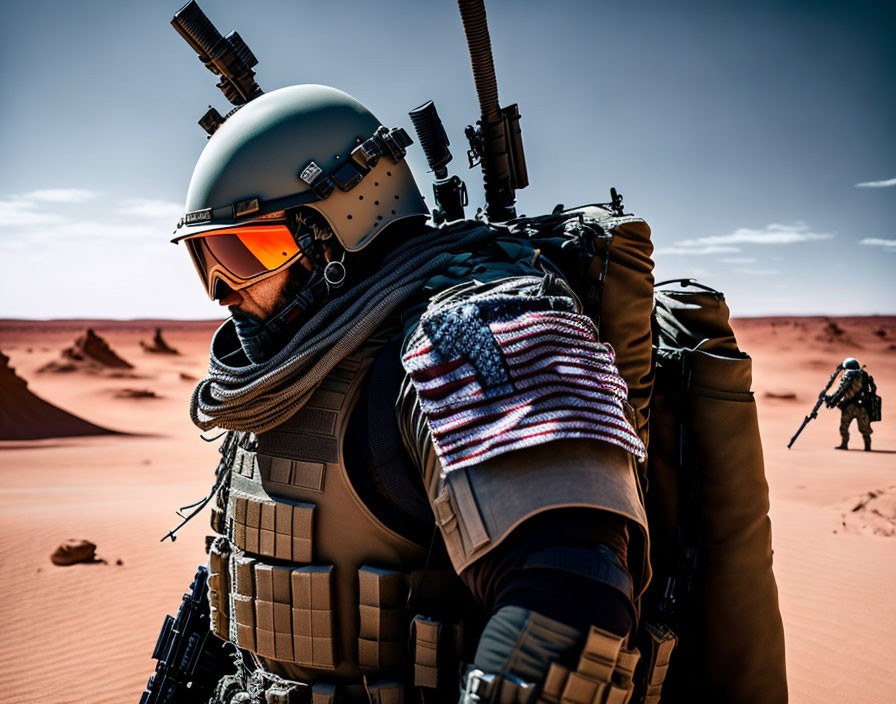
(296, 281)
(262, 338)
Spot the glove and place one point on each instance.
(829, 401)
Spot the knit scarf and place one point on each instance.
(259, 396)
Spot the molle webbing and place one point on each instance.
(310, 436)
(657, 645)
(286, 613)
(283, 612)
(425, 636)
(604, 674)
(294, 455)
(387, 692)
(219, 585)
(312, 582)
(274, 529)
(383, 635)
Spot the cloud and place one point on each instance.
(776, 233)
(877, 184)
(22, 213)
(760, 272)
(35, 208)
(60, 195)
(91, 230)
(690, 251)
(155, 209)
(55, 215)
(738, 260)
(879, 242)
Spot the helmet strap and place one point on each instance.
(262, 339)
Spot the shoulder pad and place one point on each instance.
(506, 365)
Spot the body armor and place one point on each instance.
(307, 577)
(322, 591)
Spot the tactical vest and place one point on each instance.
(307, 577)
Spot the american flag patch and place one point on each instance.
(507, 372)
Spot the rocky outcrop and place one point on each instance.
(26, 416)
(158, 345)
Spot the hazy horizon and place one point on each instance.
(756, 140)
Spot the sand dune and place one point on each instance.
(85, 633)
(874, 513)
(25, 416)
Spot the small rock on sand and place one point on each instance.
(136, 393)
(73, 551)
(873, 514)
(781, 395)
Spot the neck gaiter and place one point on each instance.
(261, 340)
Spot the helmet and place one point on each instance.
(307, 145)
(851, 363)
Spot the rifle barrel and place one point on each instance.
(814, 412)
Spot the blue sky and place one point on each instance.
(755, 138)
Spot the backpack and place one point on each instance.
(703, 481)
(870, 398)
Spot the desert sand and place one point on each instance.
(84, 633)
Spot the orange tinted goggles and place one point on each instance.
(241, 255)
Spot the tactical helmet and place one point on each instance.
(306, 145)
(851, 363)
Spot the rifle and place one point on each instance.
(191, 659)
(813, 414)
(496, 142)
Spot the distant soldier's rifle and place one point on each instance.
(814, 412)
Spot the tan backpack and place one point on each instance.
(704, 479)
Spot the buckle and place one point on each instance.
(197, 216)
(322, 186)
(246, 207)
(311, 173)
(485, 688)
(286, 693)
(347, 176)
(477, 687)
(395, 140)
(364, 157)
(368, 153)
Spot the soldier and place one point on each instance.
(855, 398)
(416, 475)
